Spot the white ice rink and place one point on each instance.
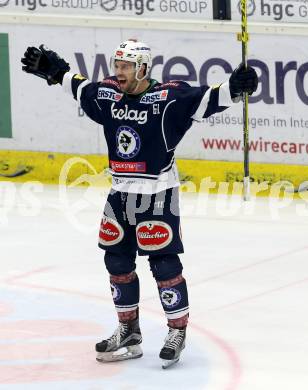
(247, 272)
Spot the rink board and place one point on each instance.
(195, 175)
(51, 121)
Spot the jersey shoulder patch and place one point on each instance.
(79, 77)
(111, 82)
(174, 84)
(109, 89)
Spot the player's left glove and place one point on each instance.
(243, 80)
(45, 63)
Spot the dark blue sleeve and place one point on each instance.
(86, 93)
(188, 104)
(197, 103)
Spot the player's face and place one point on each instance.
(125, 73)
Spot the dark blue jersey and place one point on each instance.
(143, 131)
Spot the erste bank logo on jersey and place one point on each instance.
(150, 98)
(109, 94)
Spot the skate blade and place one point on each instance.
(124, 353)
(169, 363)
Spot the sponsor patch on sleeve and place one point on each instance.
(109, 94)
(153, 97)
(153, 235)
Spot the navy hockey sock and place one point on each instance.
(174, 298)
(125, 294)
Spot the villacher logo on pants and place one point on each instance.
(5, 92)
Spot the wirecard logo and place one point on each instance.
(109, 94)
(272, 87)
(153, 97)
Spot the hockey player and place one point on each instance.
(143, 120)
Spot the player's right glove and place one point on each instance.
(45, 63)
(243, 80)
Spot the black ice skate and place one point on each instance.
(122, 345)
(174, 345)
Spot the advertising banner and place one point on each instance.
(175, 9)
(5, 90)
(45, 119)
(282, 11)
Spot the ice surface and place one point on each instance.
(247, 270)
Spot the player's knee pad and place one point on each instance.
(165, 267)
(120, 264)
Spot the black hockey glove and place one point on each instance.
(243, 80)
(45, 63)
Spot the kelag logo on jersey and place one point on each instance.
(128, 142)
(153, 97)
(132, 115)
(109, 94)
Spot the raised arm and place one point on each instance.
(220, 97)
(48, 65)
(45, 63)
